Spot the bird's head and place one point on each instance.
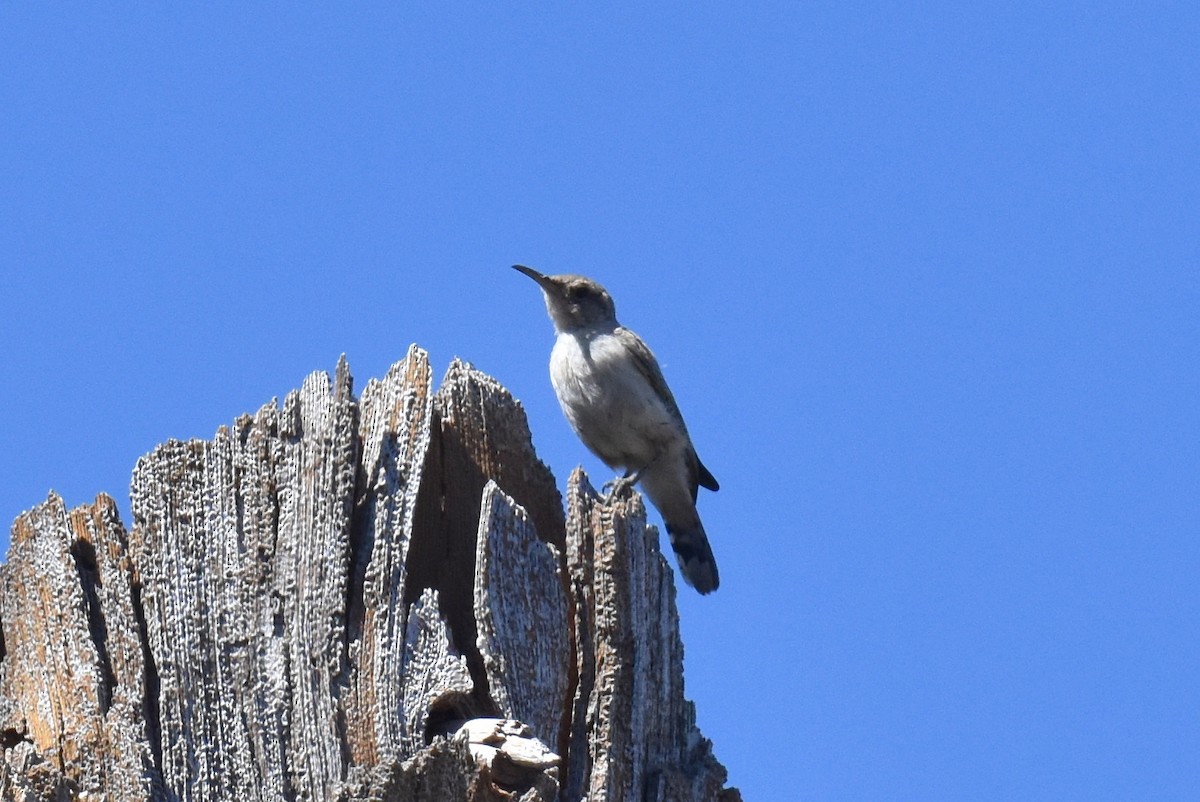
(574, 302)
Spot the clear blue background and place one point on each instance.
(923, 276)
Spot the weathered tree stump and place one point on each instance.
(342, 598)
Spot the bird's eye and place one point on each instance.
(575, 293)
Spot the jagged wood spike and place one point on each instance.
(524, 634)
(242, 548)
(395, 423)
(632, 729)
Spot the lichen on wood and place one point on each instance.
(348, 598)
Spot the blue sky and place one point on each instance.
(923, 278)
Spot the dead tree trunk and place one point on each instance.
(374, 598)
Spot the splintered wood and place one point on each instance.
(365, 599)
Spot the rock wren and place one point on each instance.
(614, 396)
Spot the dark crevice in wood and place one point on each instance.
(151, 687)
(447, 713)
(361, 545)
(441, 554)
(9, 738)
(84, 555)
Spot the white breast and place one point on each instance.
(608, 402)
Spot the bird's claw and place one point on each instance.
(614, 488)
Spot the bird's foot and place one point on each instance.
(622, 484)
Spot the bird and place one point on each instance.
(613, 394)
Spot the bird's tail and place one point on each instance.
(695, 557)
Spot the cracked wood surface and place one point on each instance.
(311, 605)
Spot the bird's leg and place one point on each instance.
(631, 477)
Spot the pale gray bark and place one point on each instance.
(328, 600)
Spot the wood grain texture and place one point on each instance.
(633, 734)
(340, 598)
(524, 635)
(436, 682)
(395, 429)
(72, 679)
(241, 545)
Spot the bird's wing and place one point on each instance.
(647, 365)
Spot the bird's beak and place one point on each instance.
(543, 280)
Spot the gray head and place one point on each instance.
(574, 302)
